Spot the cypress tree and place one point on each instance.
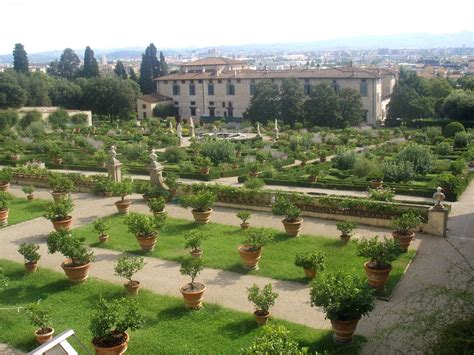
(132, 75)
(20, 59)
(163, 65)
(91, 67)
(120, 70)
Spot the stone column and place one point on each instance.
(114, 166)
(156, 172)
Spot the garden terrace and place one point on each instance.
(21, 210)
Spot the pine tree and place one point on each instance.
(163, 65)
(120, 70)
(68, 65)
(20, 59)
(91, 67)
(132, 75)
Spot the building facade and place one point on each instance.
(147, 103)
(220, 87)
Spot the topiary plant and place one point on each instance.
(452, 128)
(200, 201)
(380, 253)
(194, 239)
(39, 317)
(29, 252)
(59, 211)
(311, 260)
(256, 239)
(157, 204)
(284, 207)
(244, 215)
(405, 223)
(71, 247)
(126, 267)
(263, 299)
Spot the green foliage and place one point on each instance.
(38, 315)
(70, 158)
(174, 154)
(346, 227)
(102, 225)
(5, 175)
(165, 110)
(406, 222)
(386, 194)
(13, 96)
(119, 70)
(449, 183)
(28, 190)
(274, 340)
(3, 280)
(291, 102)
(150, 68)
(70, 247)
(461, 140)
(156, 204)
(459, 105)
(257, 238)
(191, 267)
(29, 118)
(5, 199)
(264, 104)
(312, 260)
(455, 338)
(254, 183)
(398, 171)
(201, 201)
(254, 167)
(59, 119)
(59, 211)
(313, 170)
(380, 253)
(194, 239)
(29, 252)
(20, 59)
(458, 167)
(144, 226)
(444, 148)
(203, 162)
(344, 160)
(91, 67)
(218, 151)
(284, 207)
(123, 188)
(115, 316)
(8, 118)
(128, 266)
(452, 128)
(79, 119)
(419, 155)
(263, 299)
(244, 215)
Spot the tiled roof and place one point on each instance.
(154, 97)
(214, 61)
(331, 73)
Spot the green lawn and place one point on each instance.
(169, 327)
(220, 249)
(22, 210)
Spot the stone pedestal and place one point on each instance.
(114, 170)
(155, 170)
(437, 221)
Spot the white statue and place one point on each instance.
(179, 131)
(259, 134)
(192, 132)
(191, 122)
(170, 127)
(113, 152)
(276, 130)
(153, 156)
(215, 130)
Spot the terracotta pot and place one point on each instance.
(31, 266)
(3, 217)
(204, 171)
(63, 224)
(202, 217)
(377, 278)
(113, 350)
(123, 207)
(244, 225)
(292, 228)
(132, 287)
(322, 159)
(250, 259)
(57, 161)
(376, 184)
(108, 193)
(193, 298)
(303, 164)
(254, 174)
(404, 240)
(30, 197)
(310, 274)
(196, 253)
(58, 196)
(15, 157)
(344, 330)
(103, 238)
(159, 213)
(147, 242)
(261, 317)
(312, 178)
(42, 338)
(345, 238)
(4, 186)
(76, 273)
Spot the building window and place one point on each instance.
(238, 81)
(212, 111)
(193, 103)
(219, 81)
(364, 88)
(252, 81)
(230, 89)
(223, 103)
(175, 90)
(144, 115)
(210, 89)
(191, 81)
(211, 103)
(200, 81)
(143, 106)
(307, 89)
(306, 80)
(166, 81)
(183, 81)
(335, 86)
(192, 89)
(176, 103)
(230, 112)
(253, 89)
(175, 82)
(193, 111)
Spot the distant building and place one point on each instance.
(146, 104)
(223, 87)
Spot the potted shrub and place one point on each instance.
(194, 239)
(61, 185)
(192, 291)
(102, 226)
(110, 323)
(323, 155)
(381, 255)
(375, 178)
(255, 168)
(40, 317)
(56, 154)
(263, 299)
(5, 178)
(123, 189)
(344, 298)
(346, 228)
(59, 213)
(251, 251)
(201, 204)
(31, 255)
(78, 257)
(244, 216)
(127, 267)
(108, 187)
(313, 171)
(293, 220)
(403, 229)
(204, 164)
(145, 228)
(28, 190)
(311, 262)
(5, 198)
(157, 205)
(171, 181)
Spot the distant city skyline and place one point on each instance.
(52, 25)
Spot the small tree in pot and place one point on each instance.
(40, 317)
(194, 239)
(5, 178)
(61, 186)
(375, 178)
(110, 323)
(123, 189)
(263, 300)
(311, 261)
(145, 228)
(78, 257)
(102, 226)
(404, 226)
(156, 205)
(204, 164)
(345, 298)
(201, 204)
(127, 267)
(5, 199)
(314, 172)
(254, 168)
(31, 255)
(346, 228)
(251, 251)
(192, 291)
(381, 255)
(59, 213)
(292, 223)
(323, 155)
(244, 216)
(28, 190)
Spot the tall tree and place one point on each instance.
(12, 93)
(20, 59)
(323, 107)
(291, 101)
(149, 69)
(264, 104)
(120, 70)
(163, 65)
(91, 67)
(68, 65)
(352, 110)
(132, 75)
(65, 93)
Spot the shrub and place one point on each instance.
(400, 171)
(112, 317)
(452, 128)
(174, 154)
(194, 239)
(257, 239)
(312, 260)
(444, 148)
(71, 247)
(5, 199)
(218, 151)
(313, 170)
(59, 119)
(171, 180)
(254, 183)
(363, 166)
(404, 223)
(458, 167)
(29, 252)
(263, 299)
(59, 211)
(284, 207)
(102, 225)
(449, 183)
(254, 167)
(433, 132)
(191, 267)
(420, 137)
(126, 267)
(156, 204)
(419, 155)
(70, 158)
(244, 215)
(203, 162)
(29, 118)
(274, 340)
(342, 296)
(123, 188)
(144, 226)
(200, 202)
(5, 176)
(39, 316)
(60, 183)
(345, 160)
(28, 190)
(461, 140)
(386, 194)
(346, 227)
(380, 253)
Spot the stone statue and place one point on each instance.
(170, 127)
(192, 132)
(114, 171)
(276, 130)
(113, 152)
(439, 197)
(259, 134)
(215, 131)
(156, 169)
(153, 156)
(179, 131)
